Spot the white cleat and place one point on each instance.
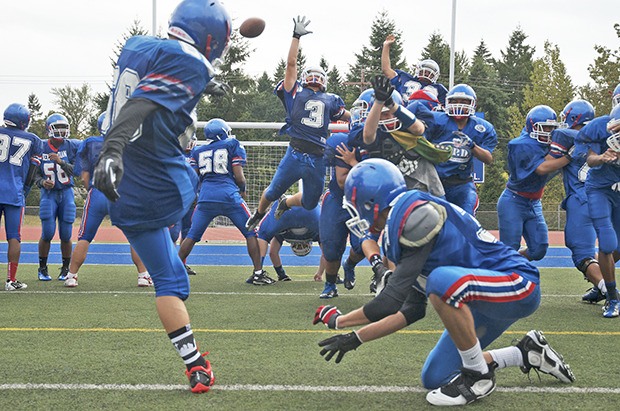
(465, 388)
(71, 281)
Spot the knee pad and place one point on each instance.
(333, 250)
(584, 264)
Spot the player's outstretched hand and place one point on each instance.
(217, 88)
(300, 26)
(339, 344)
(107, 175)
(326, 314)
(383, 89)
(466, 141)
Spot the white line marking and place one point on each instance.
(306, 388)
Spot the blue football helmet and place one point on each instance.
(576, 113)
(459, 109)
(100, 121)
(314, 76)
(217, 129)
(301, 248)
(17, 115)
(370, 188)
(427, 70)
(57, 126)
(540, 123)
(205, 25)
(613, 141)
(359, 110)
(615, 97)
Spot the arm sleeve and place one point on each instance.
(131, 116)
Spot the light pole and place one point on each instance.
(154, 31)
(452, 43)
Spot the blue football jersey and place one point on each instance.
(574, 173)
(297, 224)
(525, 154)
(330, 155)
(17, 147)
(442, 130)
(50, 170)
(461, 241)
(407, 84)
(309, 113)
(158, 185)
(87, 156)
(214, 163)
(593, 136)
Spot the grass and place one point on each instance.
(106, 331)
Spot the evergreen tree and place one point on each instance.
(37, 122)
(439, 51)
(136, 29)
(278, 74)
(605, 72)
(515, 67)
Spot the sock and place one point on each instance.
(258, 272)
(331, 278)
(611, 290)
(185, 344)
(65, 262)
(11, 271)
(473, 359)
(350, 263)
(71, 275)
(280, 271)
(42, 262)
(144, 274)
(262, 260)
(601, 286)
(507, 357)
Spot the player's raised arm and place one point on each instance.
(386, 66)
(299, 29)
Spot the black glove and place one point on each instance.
(327, 314)
(300, 27)
(217, 88)
(341, 344)
(108, 174)
(383, 90)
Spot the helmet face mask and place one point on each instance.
(613, 126)
(356, 224)
(540, 123)
(57, 127)
(361, 106)
(314, 77)
(301, 248)
(461, 102)
(427, 70)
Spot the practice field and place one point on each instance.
(101, 346)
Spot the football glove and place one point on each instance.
(466, 141)
(339, 344)
(108, 173)
(299, 29)
(217, 88)
(327, 314)
(383, 90)
(381, 282)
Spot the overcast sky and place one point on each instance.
(47, 44)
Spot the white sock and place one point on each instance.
(601, 286)
(473, 359)
(144, 274)
(258, 272)
(70, 274)
(507, 357)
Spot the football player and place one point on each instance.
(519, 209)
(579, 233)
(141, 169)
(219, 163)
(473, 281)
(55, 178)
(310, 110)
(599, 141)
(425, 77)
(17, 147)
(95, 209)
(299, 227)
(468, 136)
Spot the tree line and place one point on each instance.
(507, 86)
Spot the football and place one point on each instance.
(252, 27)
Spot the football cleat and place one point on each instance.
(349, 276)
(282, 208)
(189, 270)
(593, 296)
(611, 309)
(63, 273)
(260, 279)
(339, 280)
(465, 388)
(330, 291)
(43, 275)
(14, 285)
(145, 281)
(284, 278)
(373, 285)
(201, 378)
(71, 280)
(538, 354)
(254, 220)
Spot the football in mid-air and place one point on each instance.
(252, 27)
